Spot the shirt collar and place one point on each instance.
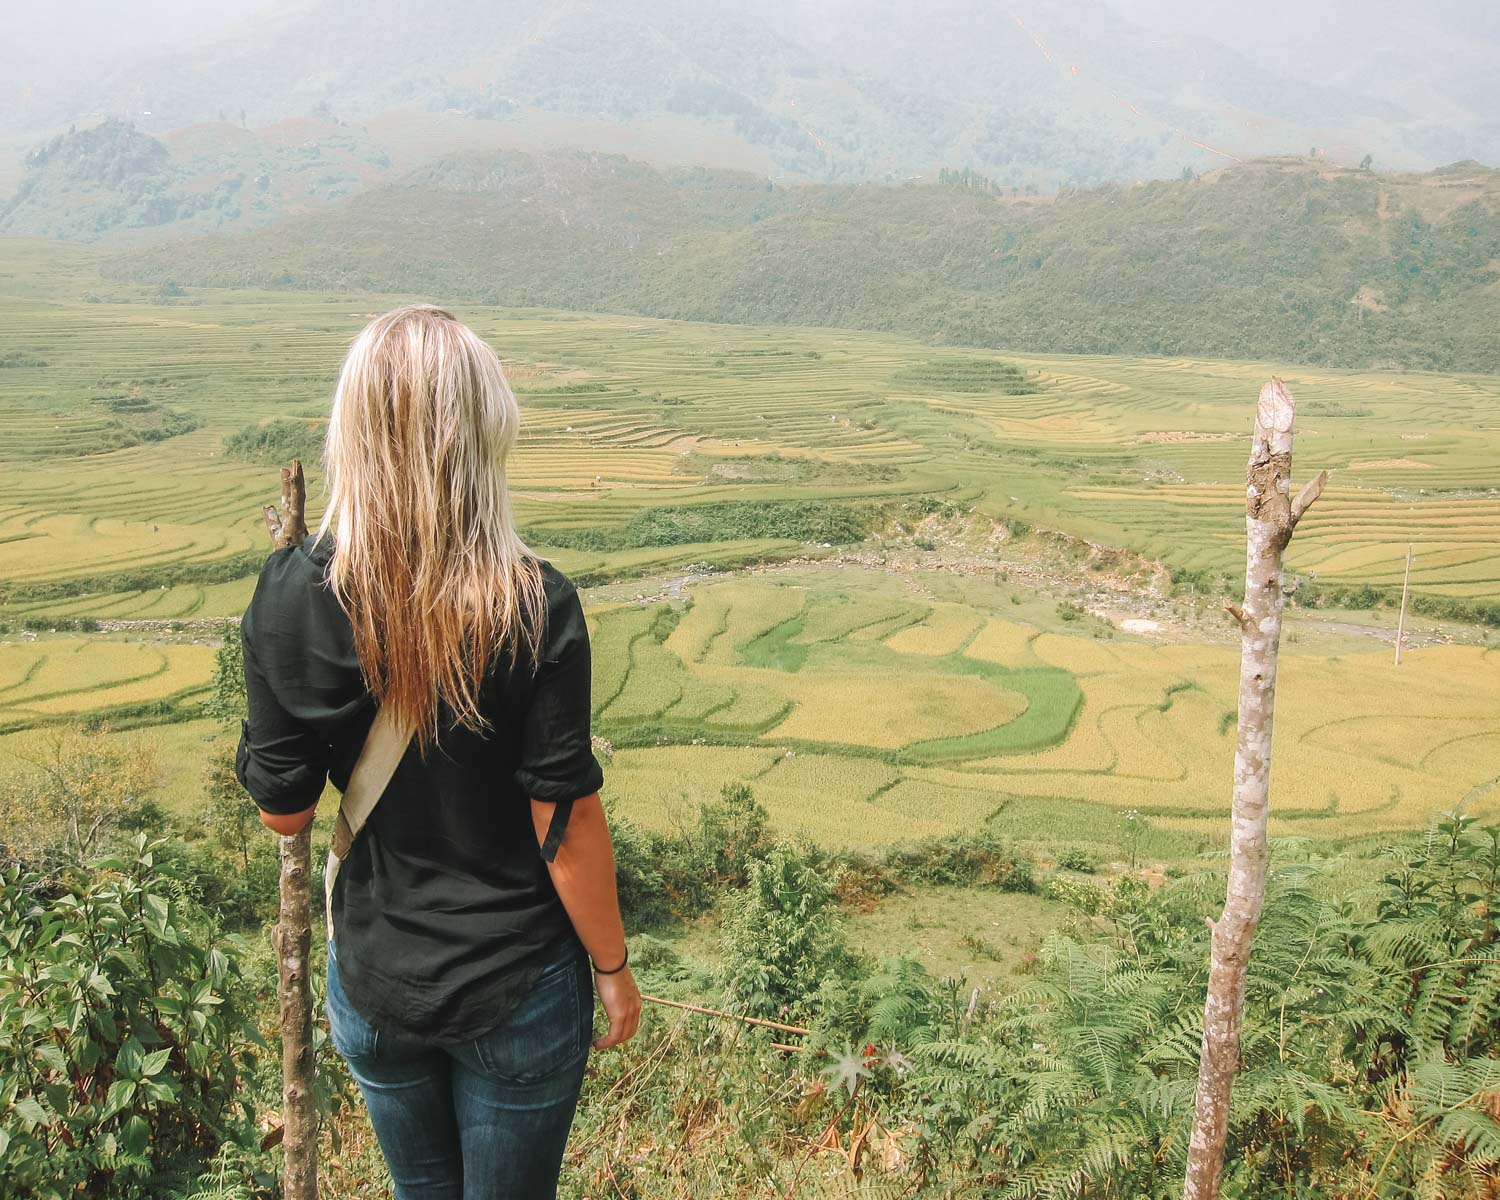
(320, 551)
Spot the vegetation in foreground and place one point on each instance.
(135, 1004)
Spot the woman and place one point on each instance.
(469, 910)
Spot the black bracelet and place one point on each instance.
(598, 970)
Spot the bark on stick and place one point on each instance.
(292, 937)
(1271, 516)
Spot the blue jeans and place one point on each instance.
(486, 1119)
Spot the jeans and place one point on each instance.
(486, 1119)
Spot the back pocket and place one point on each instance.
(351, 1035)
(544, 1034)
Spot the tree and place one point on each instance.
(1271, 517)
(1366, 163)
(228, 815)
(83, 784)
(227, 704)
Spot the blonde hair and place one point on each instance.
(427, 561)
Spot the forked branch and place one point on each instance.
(1307, 496)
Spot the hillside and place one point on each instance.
(1040, 92)
(113, 179)
(1286, 260)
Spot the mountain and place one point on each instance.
(1031, 92)
(1438, 62)
(1283, 259)
(112, 178)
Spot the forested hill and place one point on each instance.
(1284, 259)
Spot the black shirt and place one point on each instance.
(444, 910)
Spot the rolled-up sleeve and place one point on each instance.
(557, 763)
(281, 761)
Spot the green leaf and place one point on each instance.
(31, 1112)
(50, 1054)
(847, 1070)
(154, 1062)
(163, 1091)
(128, 1060)
(137, 1135)
(157, 912)
(121, 1093)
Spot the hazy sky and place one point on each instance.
(74, 27)
(1437, 59)
(64, 35)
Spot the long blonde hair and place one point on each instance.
(427, 561)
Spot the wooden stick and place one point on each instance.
(1401, 620)
(969, 1015)
(714, 1012)
(1270, 519)
(292, 936)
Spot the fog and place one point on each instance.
(1416, 86)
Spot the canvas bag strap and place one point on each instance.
(385, 746)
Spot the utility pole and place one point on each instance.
(1271, 516)
(1401, 620)
(292, 937)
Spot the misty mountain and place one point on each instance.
(1288, 260)
(1034, 92)
(113, 179)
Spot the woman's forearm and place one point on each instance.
(289, 824)
(583, 871)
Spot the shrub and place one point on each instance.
(697, 866)
(82, 789)
(1083, 894)
(277, 442)
(781, 936)
(123, 1033)
(682, 875)
(643, 893)
(966, 859)
(228, 703)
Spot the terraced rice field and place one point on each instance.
(44, 679)
(896, 734)
(622, 414)
(863, 706)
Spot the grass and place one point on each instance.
(984, 936)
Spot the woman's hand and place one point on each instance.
(622, 1005)
(583, 872)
